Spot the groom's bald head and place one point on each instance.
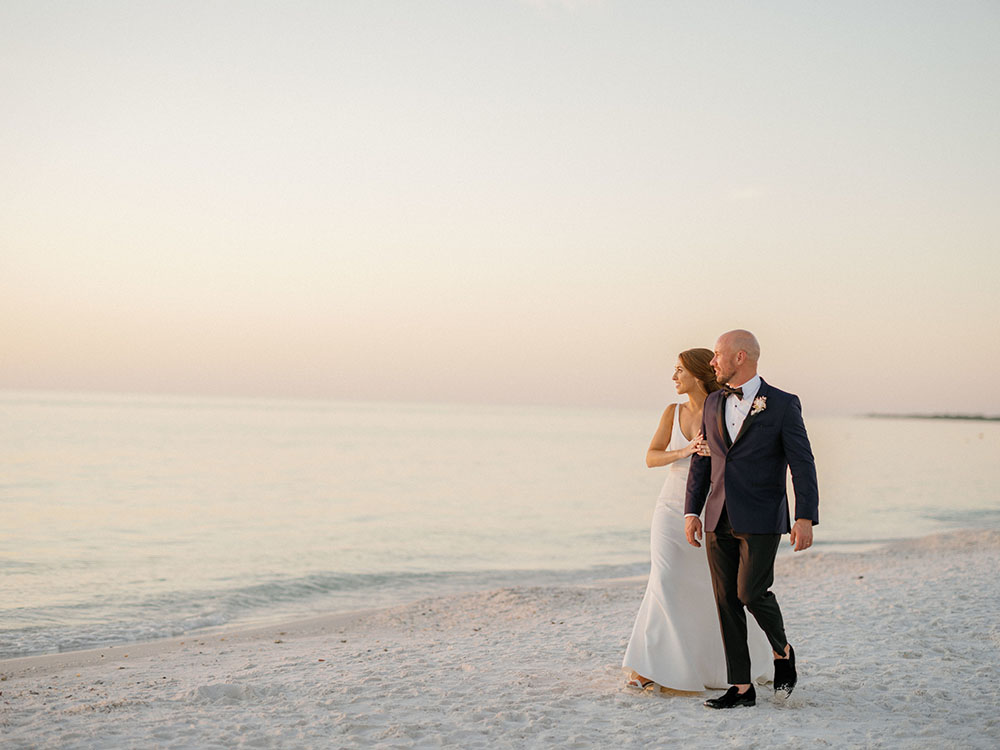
(742, 341)
(736, 355)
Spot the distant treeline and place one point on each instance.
(972, 417)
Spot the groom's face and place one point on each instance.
(724, 362)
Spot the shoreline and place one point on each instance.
(276, 627)
(260, 626)
(231, 634)
(896, 647)
(242, 633)
(349, 609)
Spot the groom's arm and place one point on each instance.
(698, 482)
(800, 460)
(699, 479)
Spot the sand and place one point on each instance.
(897, 647)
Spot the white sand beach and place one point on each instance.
(897, 647)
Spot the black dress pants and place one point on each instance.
(742, 567)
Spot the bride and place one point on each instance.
(676, 640)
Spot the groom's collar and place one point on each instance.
(750, 388)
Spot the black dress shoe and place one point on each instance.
(732, 698)
(785, 676)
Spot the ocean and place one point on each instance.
(130, 518)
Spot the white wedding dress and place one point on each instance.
(677, 640)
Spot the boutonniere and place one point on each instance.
(759, 404)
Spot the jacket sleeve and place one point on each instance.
(699, 478)
(800, 460)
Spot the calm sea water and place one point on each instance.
(130, 518)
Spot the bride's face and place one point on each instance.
(684, 381)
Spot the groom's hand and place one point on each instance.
(692, 530)
(802, 534)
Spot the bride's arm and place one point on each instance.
(657, 453)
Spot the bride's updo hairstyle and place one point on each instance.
(696, 361)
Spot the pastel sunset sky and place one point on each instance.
(500, 201)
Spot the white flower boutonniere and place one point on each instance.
(759, 404)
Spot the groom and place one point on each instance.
(753, 434)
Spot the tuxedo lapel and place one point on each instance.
(761, 392)
(720, 415)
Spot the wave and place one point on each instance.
(100, 622)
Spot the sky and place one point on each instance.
(500, 201)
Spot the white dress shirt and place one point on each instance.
(738, 408)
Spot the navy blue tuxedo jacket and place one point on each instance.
(749, 475)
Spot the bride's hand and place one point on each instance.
(694, 446)
(700, 445)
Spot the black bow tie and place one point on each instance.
(738, 392)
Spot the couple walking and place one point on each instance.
(728, 449)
